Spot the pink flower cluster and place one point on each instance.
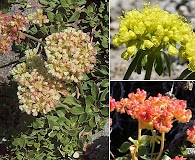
(178, 158)
(155, 112)
(38, 92)
(10, 27)
(70, 54)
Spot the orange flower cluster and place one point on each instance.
(191, 134)
(155, 112)
(10, 27)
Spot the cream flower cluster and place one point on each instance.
(37, 91)
(70, 53)
(155, 29)
(37, 17)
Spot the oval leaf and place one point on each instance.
(77, 110)
(125, 147)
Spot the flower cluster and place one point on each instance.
(10, 27)
(37, 17)
(70, 53)
(155, 29)
(155, 112)
(191, 134)
(37, 90)
(178, 158)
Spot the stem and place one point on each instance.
(80, 88)
(161, 146)
(33, 38)
(153, 145)
(139, 131)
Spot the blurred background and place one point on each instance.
(118, 66)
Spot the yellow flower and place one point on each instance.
(172, 50)
(154, 28)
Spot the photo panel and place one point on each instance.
(152, 120)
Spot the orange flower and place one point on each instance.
(191, 134)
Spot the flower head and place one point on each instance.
(155, 29)
(37, 91)
(70, 54)
(155, 112)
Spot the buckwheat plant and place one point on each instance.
(70, 54)
(149, 35)
(156, 114)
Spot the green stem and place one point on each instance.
(153, 145)
(139, 131)
(33, 38)
(80, 88)
(161, 146)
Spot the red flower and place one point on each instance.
(112, 104)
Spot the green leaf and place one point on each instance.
(83, 117)
(44, 29)
(64, 3)
(21, 141)
(73, 132)
(132, 66)
(40, 156)
(37, 145)
(144, 140)
(105, 83)
(95, 91)
(186, 74)
(142, 59)
(60, 113)
(74, 17)
(168, 63)
(51, 16)
(104, 69)
(104, 95)
(105, 111)
(33, 30)
(92, 122)
(125, 147)
(149, 66)
(71, 101)
(52, 120)
(141, 150)
(59, 17)
(77, 110)
(89, 100)
(159, 64)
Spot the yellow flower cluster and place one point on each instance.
(37, 90)
(70, 53)
(37, 17)
(155, 29)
